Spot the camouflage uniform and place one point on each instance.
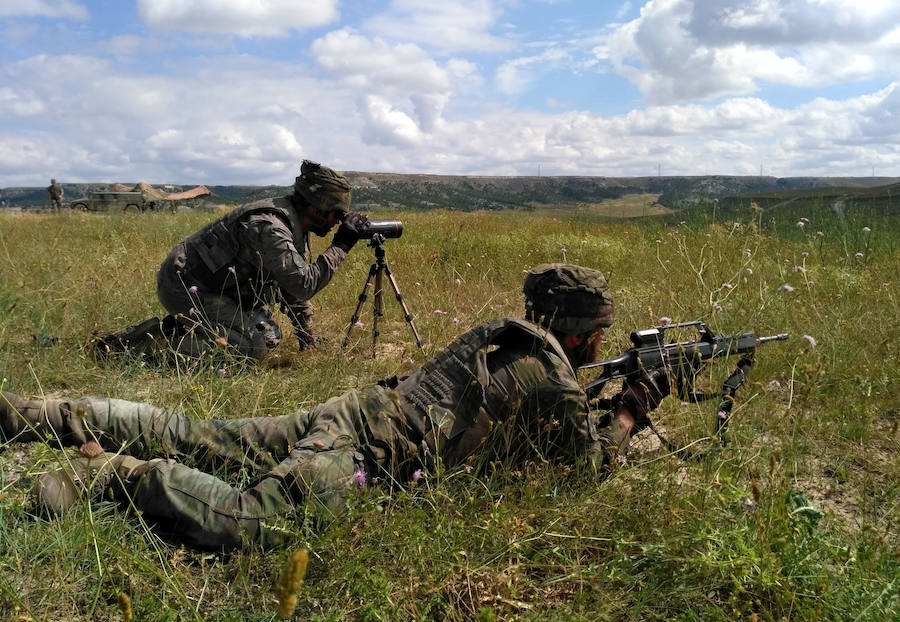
(219, 280)
(55, 194)
(224, 274)
(504, 390)
(522, 401)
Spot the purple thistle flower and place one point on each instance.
(360, 478)
(665, 320)
(358, 324)
(621, 459)
(221, 372)
(192, 311)
(723, 415)
(417, 475)
(192, 289)
(455, 320)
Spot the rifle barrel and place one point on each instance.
(778, 337)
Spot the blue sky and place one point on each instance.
(240, 91)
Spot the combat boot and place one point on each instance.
(84, 477)
(24, 420)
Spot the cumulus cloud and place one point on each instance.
(373, 63)
(680, 50)
(394, 77)
(62, 9)
(449, 25)
(246, 18)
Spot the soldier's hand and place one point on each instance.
(351, 229)
(643, 395)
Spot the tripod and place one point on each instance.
(379, 268)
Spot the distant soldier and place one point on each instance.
(55, 194)
(505, 391)
(219, 282)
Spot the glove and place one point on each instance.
(644, 394)
(351, 229)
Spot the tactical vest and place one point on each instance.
(212, 250)
(445, 396)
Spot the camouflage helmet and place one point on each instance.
(323, 187)
(567, 298)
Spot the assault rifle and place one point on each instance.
(684, 361)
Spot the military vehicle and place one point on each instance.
(108, 200)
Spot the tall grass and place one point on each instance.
(795, 518)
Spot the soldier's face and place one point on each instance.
(318, 221)
(584, 348)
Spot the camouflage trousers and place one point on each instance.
(316, 457)
(208, 315)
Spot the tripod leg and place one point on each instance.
(359, 305)
(377, 306)
(406, 314)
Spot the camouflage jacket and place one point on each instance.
(257, 253)
(504, 390)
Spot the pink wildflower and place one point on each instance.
(417, 475)
(358, 324)
(192, 289)
(360, 478)
(665, 320)
(439, 312)
(786, 288)
(222, 372)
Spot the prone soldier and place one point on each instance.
(505, 390)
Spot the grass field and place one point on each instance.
(796, 518)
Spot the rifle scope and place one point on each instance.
(384, 228)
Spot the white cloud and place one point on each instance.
(449, 25)
(680, 50)
(246, 18)
(516, 75)
(63, 9)
(375, 63)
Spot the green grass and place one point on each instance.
(660, 539)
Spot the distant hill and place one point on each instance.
(377, 191)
